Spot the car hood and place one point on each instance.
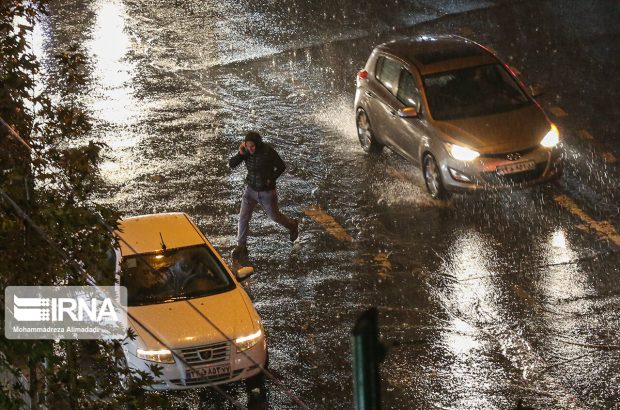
(178, 324)
(498, 133)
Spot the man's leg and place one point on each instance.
(269, 201)
(248, 203)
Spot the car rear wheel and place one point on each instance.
(432, 178)
(365, 134)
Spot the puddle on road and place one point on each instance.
(480, 297)
(114, 73)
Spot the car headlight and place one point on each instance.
(552, 138)
(245, 342)
(462, 153)
(159, 356)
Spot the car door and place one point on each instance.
(382, 99)
(409, 132)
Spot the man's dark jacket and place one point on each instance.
(264, 167)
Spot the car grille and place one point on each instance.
(516, 178)
(207, 379)
(508, 155)
(207, 354)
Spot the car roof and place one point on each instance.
(141, 234)
(433, 54)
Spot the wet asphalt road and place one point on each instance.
(483, 300)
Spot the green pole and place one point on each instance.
(367, 353)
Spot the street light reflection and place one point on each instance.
(562, 279)
(114, 74)
(109, 47)
(558, 240)
(472, 292)
(468, 264)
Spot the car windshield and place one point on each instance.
(473, 91)
(181, 273)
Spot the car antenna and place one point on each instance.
(163, 245)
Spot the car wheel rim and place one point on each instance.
(432, 176)
(363, 130)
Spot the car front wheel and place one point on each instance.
(432, 178)
(365, 133)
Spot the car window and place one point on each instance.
(180, 273)
(473, 91)
(408, 92)
(387, 72)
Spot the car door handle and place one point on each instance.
(370, 94)
(393, 113)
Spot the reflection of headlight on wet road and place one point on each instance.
(160, 356)
(245, 342)
(558, 239)
(462, 153)
(552, 138)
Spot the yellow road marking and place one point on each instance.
(608, 157)
(604, 229)
(584, 134)
(384, 264)
(326, 221)
(394, 173)
(525, 296)
(359, 261)
(558, 112)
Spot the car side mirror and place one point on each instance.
(244, 273)
(408, 112)
(536, 90)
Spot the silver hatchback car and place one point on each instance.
(452, 107)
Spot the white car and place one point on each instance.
(181, 298)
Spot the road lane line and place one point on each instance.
(328, 222)
(525, 296)
(394, 173)
(608, 157)
(604, 229)
(584, 135)
(558, 112)
(383, 263)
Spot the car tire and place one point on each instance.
(365, 134)
(432, 178)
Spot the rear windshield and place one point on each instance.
(177, 274)
(473, 91)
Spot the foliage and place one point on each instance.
(53, 183)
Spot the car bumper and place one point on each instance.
(483, 175)
(174, 376)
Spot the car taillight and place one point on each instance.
(361, 75)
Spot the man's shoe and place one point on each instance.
(294, 233)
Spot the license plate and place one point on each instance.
(211, 371)
(515, 167)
